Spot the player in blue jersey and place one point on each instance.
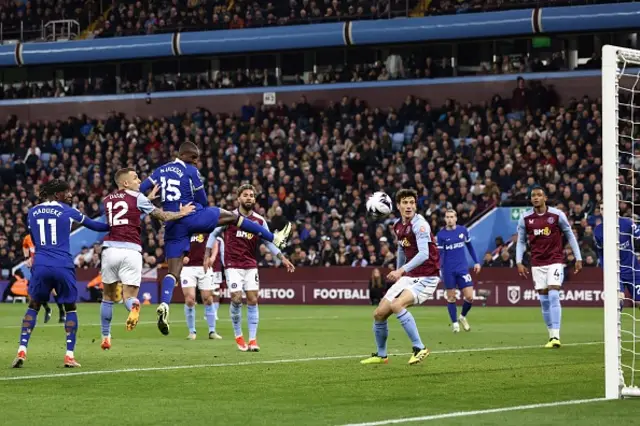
(629, 264)
(180, 183)
(453, 243)
(53, 268)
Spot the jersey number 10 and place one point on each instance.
(53, 226)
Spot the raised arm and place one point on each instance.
(146, 207)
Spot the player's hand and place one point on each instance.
(578, 266)
(287, 264)
(208, 261)
(185, 260)
(187, 209)
(154, 193)
(394, 276)
(477, 268)
(522, 270)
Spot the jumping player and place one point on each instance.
(53, 268)
(629, 264)
(194, 275)
(180, 183)
(122, 247)
(29, 250)
(241, 267)
(416, 278)
(543, 228)
(453, 241)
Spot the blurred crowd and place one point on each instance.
(315, 167)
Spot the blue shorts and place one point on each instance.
(456, 280)
(633, 290)
(46, 278)
(177, 235)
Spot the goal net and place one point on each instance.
(621, 198)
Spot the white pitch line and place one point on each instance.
(273, 361)
(55, 323)
(478, 412)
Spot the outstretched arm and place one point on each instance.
(94, 225)
(164, 216)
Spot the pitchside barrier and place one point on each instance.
(350, 286)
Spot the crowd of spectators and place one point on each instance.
(395, 67)
(316, 167)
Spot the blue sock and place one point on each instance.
(106, 313)
(555, 309)
(71, 328)
(28, 324)
(254, 228)
(381, 331)
(235, 311)
(453, 311)
(128, 303)
(546, 312)
(216, 306)
(410, 327)
(466, 307)
(253, 316)
(190, 315)
(168, 283)
(210, 314)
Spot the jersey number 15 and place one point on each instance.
(170, 189)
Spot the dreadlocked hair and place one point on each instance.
(53, 187)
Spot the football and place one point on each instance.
(379, 205)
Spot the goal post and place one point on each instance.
(620, 99)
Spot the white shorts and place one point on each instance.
(422, 288)
(544, 276)
(194, 276)
(217, 278)
(121, 265)
(242, 280)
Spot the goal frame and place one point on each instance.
(611, 201)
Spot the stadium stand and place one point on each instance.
(315, 166)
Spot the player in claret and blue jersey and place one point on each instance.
(453, 243)
(180, 183)
(53, 268)
(629, 264)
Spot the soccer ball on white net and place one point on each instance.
(379, 205)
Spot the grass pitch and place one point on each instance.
(308, 371)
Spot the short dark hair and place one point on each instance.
(537, 187)
(406, 193)
(53, 187)
(245, 187)
(120, 173)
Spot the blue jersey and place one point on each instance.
(50, 228)
(629, 264)
(180, 183)
(453, 245)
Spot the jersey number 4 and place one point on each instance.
(115, 213)
(170, 189)
(42, 229)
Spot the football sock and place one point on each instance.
(381, 331)
(45, 305)
(410, 327)
(466, 307)
(216, 306)
(235, 311)
(453, 311)
(210, 314)
(556, 313)
(190, 315)
(71, 328)
(253, 317)
(106, 313)
(28, 324)
(546, 310)
(254, 228)
(128, 303)
(168, 283)
(61, 309)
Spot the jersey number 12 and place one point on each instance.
(43, 231)
(121, 208)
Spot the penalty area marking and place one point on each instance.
(273, 361)
(478, 412)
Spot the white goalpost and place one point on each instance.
(621, 197)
